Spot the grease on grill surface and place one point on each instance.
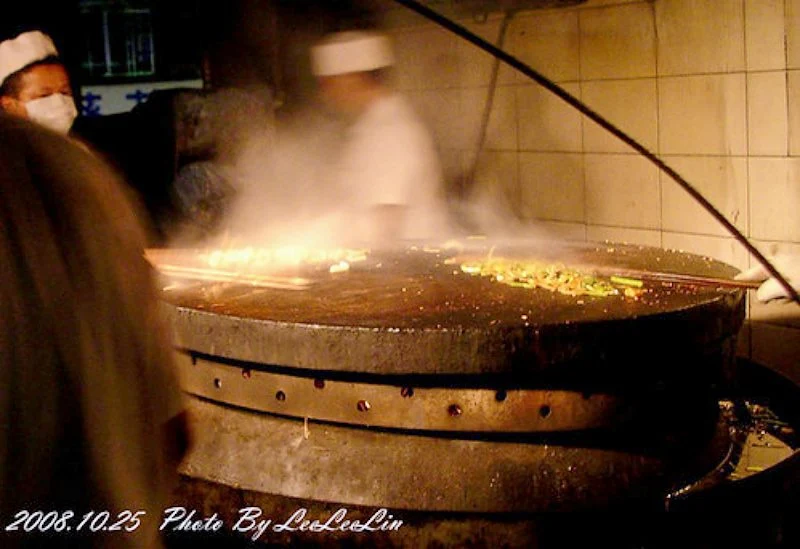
(417, 289)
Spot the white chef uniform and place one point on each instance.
(388, 157)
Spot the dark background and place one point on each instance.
(247, 44)
(226, 43)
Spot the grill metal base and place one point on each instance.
(280, 456)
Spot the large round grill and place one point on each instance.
(405, 383)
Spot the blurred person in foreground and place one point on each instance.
(91, 418)
(387, 171)
(34, 83)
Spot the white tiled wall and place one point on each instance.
(793, 93)
(712, 86)
(792, 30)
(622, 190)
(497, 183)
(630, 105)
(559, 230)
(549, 42)
(721, 179)
(764, 35)
(541, 172)
(546, 123)
(767, 123)
(598, 233)
(618, 42)
(703, 114)
(774, 198)
(700, 36)
(477, 64)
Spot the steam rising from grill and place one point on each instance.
(285, 196)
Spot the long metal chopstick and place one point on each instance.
(213, 275)
(678, 278)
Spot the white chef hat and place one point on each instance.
(352, 51)
(18, 53)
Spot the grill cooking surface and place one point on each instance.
(414, 289)
(407, 312)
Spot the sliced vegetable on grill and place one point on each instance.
(552, 277)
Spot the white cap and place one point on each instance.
(27, 48)
(353, 51)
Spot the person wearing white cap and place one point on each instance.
(34, 83)
(388, 168)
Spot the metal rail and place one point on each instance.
(473, 410)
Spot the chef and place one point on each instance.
(387, 171)
(34, 83)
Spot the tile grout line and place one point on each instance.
(654, 19)
(786, 76)
(747, 148)
(523, 207)
(584, 181)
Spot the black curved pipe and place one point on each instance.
(551, 86)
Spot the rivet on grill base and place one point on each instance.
(218, 383)
(454, 410)
(246, 373)
(281, 396)
(319, 383)
(501, 395)
(544, 410)
(363, 406)
(407, 392)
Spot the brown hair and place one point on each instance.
(83, 361)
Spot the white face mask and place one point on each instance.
(56, 111)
